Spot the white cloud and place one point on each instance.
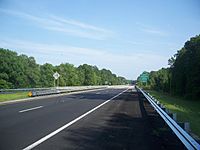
(63, 25)
(78, 23)
(154, 31)
(135, 42)
(129, 65)
(151, 30)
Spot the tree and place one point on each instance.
(69, 74)
(186, 70)
(46, 75)
(21, 71)
(89, 74)
(182, 78)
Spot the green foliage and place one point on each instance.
(90, 77)
(143, 79)
(183, 76)
(160, 80)
(186, 70)
(187, 110)
(21, 71)
(68, 74)
(46, 78)
(13, 96)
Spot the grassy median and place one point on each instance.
(13, 96)
(187, 110)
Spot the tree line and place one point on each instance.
(21, 71)
(182, 77)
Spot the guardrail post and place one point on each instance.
(173, 116)
(167, 111)
(180, 129)
(185, 126)
(163, 108)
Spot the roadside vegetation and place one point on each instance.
(13, 96)
(178, 86)
(187, 110)
(21, 71)
(182, 78)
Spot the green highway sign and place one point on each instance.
(144, 77)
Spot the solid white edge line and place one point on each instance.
(70, 123)
(25, 110)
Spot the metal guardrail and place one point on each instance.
(54, 90)
(60, 90)
(50, 88)
(43, 92)
(23, 89)
(185, 138)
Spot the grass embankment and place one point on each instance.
(187, 110)
(13, 96)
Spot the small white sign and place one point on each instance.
(56, 75)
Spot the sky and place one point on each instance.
(125, 36)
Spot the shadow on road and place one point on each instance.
(122, 131)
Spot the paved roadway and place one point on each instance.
(113, 118)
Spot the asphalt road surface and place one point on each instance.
(112, 118)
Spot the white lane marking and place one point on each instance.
(68, 124)
(25, 110)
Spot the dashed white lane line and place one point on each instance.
(34, 108)
(69, 124)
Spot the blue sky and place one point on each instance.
(125, 36)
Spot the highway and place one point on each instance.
(112, 118)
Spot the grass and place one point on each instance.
(13, 96)
(187, 110)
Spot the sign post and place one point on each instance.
(56, 75)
